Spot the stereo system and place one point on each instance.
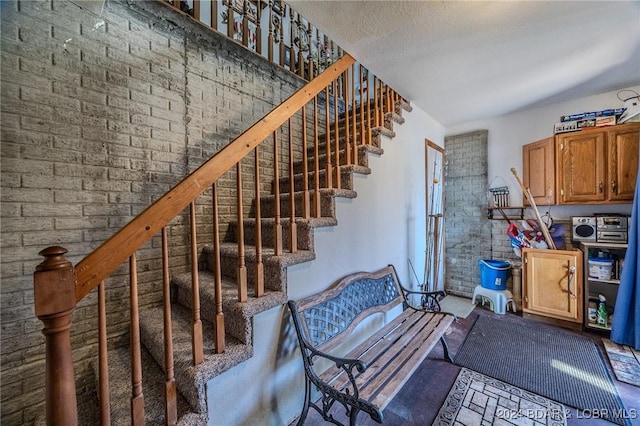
(599, 228)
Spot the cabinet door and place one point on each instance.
(622, 144)
(553, 283)
(581, 167)
(538, 170)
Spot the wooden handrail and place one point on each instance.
(100, 263)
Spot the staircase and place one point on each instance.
(191, 380)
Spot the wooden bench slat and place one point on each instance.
(388, 348)
(383, 395)
(331, 374)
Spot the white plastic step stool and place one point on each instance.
(499, 300)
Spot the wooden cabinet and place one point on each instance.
(622, 154)
(538, 170)
(597, 165)
(593, 166)
(552, 283)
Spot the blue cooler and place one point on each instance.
(493, 273)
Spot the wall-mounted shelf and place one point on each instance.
(510, 212)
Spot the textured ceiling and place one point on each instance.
(461, 61)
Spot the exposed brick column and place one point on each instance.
(468, 231)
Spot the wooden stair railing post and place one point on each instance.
(103, 358)
(277, 237)
(242, 267)
(137, 397)
(55, 300)
(336, 130)
(353, 113)
(347, 136)
(316, 166)
(306, 213)
(219, 335)
(259, 278)
(327, 131)
(197, 346)
(293, 230)
(170, 392)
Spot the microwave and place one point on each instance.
(584, 228)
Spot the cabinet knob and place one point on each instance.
(601, 187)
(614, 187)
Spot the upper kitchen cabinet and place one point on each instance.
(597, 165)
(622, 152)
(538, 170)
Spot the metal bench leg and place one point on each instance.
(447, 355)
(353, 415)
(307, 398)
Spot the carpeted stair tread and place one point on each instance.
(190, 380)
(346, 176)
(153, 379)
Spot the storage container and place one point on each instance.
(600, 268)
(493, 273)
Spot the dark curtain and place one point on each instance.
(625, 328)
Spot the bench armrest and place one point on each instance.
(310, 353)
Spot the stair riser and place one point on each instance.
(273, 275)
(322, 161)
(304, 234)
(346, 181)
(234, 323)
(267, 205)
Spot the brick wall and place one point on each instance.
(105, 106)
(468, 231)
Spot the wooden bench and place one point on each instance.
(371, 374)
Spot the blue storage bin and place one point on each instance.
(493, 273)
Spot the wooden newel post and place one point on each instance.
(55, 299)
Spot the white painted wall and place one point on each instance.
(384, 225)
(508, 133)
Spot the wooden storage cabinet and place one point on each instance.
(552, 283)
(595, 286)
(538, 170)
(622, 154)
(597, 165)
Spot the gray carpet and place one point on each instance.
(557, 364)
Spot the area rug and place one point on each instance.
(459, 306)
(625, 362)
(548, 361)
(476, 399)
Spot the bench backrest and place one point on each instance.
(328, 317)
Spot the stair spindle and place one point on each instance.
(336, 168)
(277, 229)
(362, 142)
(103, 359)
(170, 393)
(316, 158)
(376, 108)
(258, 28)
(368, 81)
(245, 24)
(213, 16)
(293, 234)
(196, 322)
(347, 135)
(306, 213)
(230, 20)
(283, 13)
(219, 319)
(259, 278)
(270, 36)
(196, 9)
(327, 132)
(137, 398)
(242, 267)
(353, 112)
